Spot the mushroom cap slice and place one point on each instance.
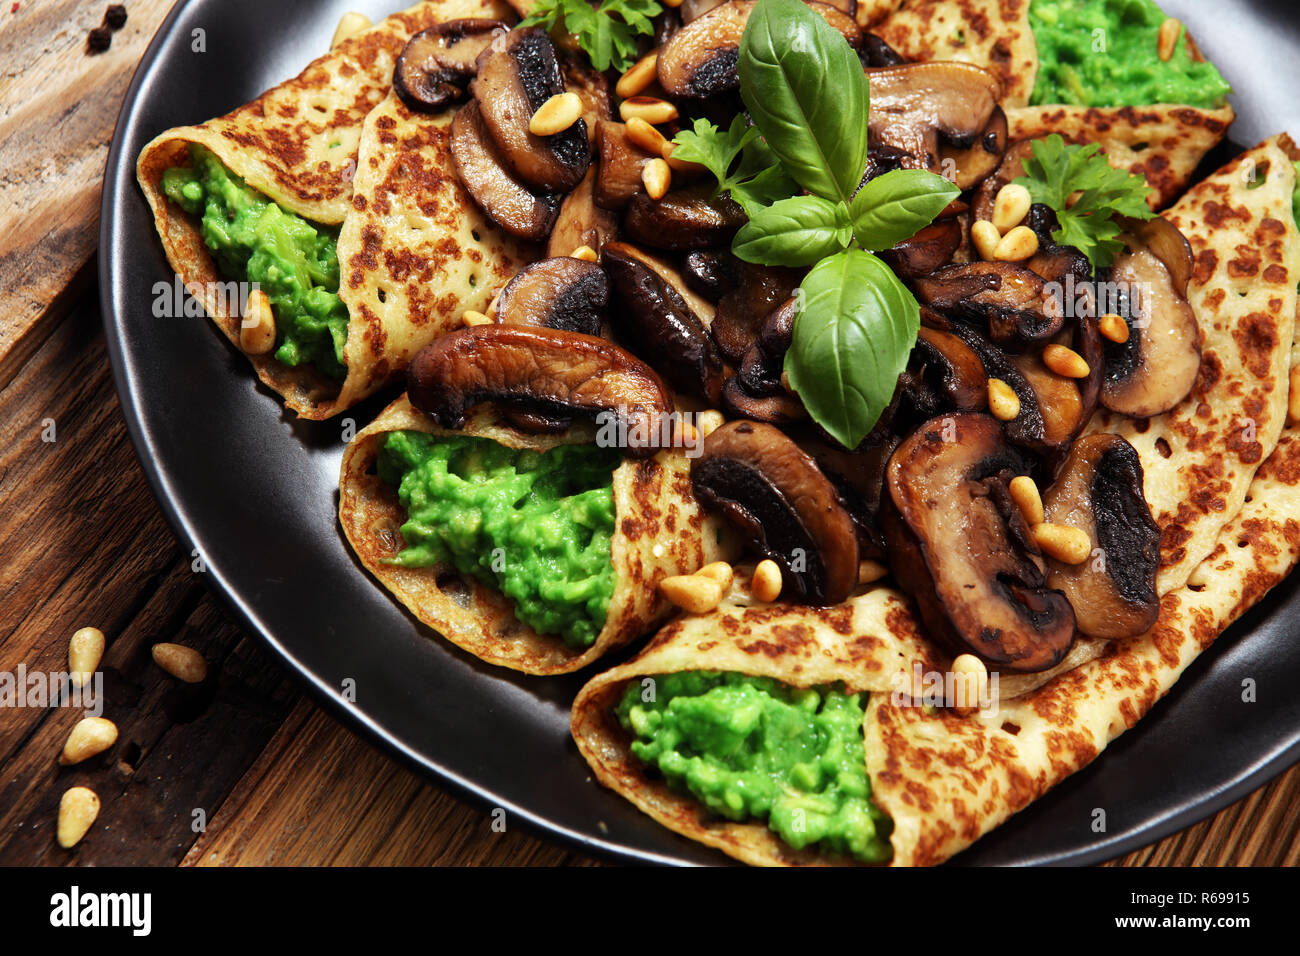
(775, 494)
(517, 73)
(744, 310)
(434, 67)
(915, 105)
(689, 218)
(580, 221)
(558, 293)
(505, 200)
(971, 165)
(1099, 490)
(1014, 303)
(930, 249)
(959, 546)
(546, 371)
(618, 178)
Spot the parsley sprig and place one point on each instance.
(607, 33)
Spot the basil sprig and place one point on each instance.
(808, 96)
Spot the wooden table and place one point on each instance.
(245, 769)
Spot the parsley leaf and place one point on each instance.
(607, 34)
(758, 179)
(1058, 170)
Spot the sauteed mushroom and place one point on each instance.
(778, 498)
(554, 373)
(580, 221)
(930, 249)
(683, 219)
(557, 293)
(436, 64)
(505, 200)
(742, 311)
(959, 546)
(1013, 302)
(712, 272)
(621, 163)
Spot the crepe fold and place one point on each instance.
(313, 146)
(659, 531)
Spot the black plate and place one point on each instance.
(254, 491)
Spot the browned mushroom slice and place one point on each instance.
(1156, 368)
(506, 201)
(778, 498)
(973, 164)
(692, 10)
(1014, 303)
(661, 324)
(712, 272)
(558, 293)
(875, 52)
(742, 312)
(761, 366)
(930, 249)
(547, 371)
(593, 89)
(779, 408)
(1060, 406)
(959, 546)
(621, 162)
(1064, 265)
(915, 105)
(436, 64)
(581, 222)
(683, 219)
(954, 370)
(517, 73)
(700, 60)
(1099, 491)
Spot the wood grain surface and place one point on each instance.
(242, 769)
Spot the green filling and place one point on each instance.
(535, 525)
(1104, 53)
(1295, 196)
(755, 748)
(293, 261)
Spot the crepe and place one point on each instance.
(312, 145)
(659, 531)
(946, 779)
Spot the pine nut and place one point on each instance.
(1113, 327)
(657, 177)
(91, 736)
(719, 571)
(585, 253)
(1025, 494)
(470, 317)
(1167, 38)
(649, 108)
(1018, 245)
(85, 651)
(556, 115)
(709, 421)
(183, 663)
(1011, 206)
(970, 683)
(350, 24)
(257, 330)
(1065, 362)
(673, 3)
(692, 592)
(1063, 543)
(641, 75)
(1004, 403)
(766, 583)
(78, 809)
(1293, 403)
(869, 572)
(646, 136)
(986, 237)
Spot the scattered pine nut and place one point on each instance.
(1063, 543)
(673, 3)
(350, 24)
(257, 330)
(709, 421)
(470, 317)
(1065, 362)
(986, 237)
(657, 177)
(585, 253)
(1011, 206)
(1293, 403)
(85, 651)
(1167, 38)
(766, 583)
(1025, 494)
(1019, 244)
(1004, 403)
(720, 571)
(649, 108)
(78, 809)
(695, 593)
(641, 75)
(646, 136)
(869, 572)
(1113, 327)
(92, 735)
(183, 663)
(556, 115)
(970, 683)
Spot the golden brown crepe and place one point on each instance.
(659, 531)
(312, 145)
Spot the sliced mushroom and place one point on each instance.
(953, 371)
(1156, 368)
(692, 10)
(916, 105)
(683, 219)
(661, 324)
(778, 408)
(1099, 491)
(504, 199)
(712, 272)
(859, 477)
(1015, 305)
(580, 221)
(875, 52)
(593, 89)
(973, 164)
(436, 64)
(547, 371)
(1063, 265)
(760, 369)
(959, 546)
(930, 249)
(557, 293)
(517, 73)
(621, 162)
(778, 498)
(742, 312)
(700, 60)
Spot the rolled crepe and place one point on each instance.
(659, 531)
(328, 145)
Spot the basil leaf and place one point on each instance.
(794, 232)
(898, 205)
(807, 93)
(855, 329)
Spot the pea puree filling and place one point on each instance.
(1105, 53)
(293, 261)
(535, 525)
(754, 748)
